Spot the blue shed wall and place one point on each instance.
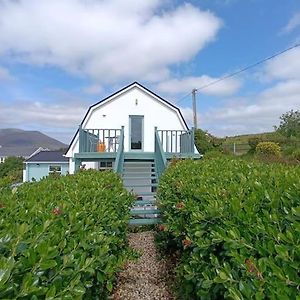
(40, 170)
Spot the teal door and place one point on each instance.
(136, 132)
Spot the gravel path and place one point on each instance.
(145, 279)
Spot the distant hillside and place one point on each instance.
(243, 139)
(17, 142)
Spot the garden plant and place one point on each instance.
(235, 225)
(64, 237)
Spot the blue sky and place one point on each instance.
(58, 57)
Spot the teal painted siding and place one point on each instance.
(40, 170)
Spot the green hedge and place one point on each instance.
(63, 238)
(236, 225)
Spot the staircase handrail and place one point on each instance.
(160, 157)
(120, 154)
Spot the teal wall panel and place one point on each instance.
(40, 170)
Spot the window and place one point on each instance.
(55, 169)
(2, 159)
(105, 165)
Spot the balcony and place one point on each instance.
(99, 140)
(106, 143)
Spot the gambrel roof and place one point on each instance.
(126, 88)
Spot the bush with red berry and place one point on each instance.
(64, 238)
(236, 225)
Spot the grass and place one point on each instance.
(243, 139)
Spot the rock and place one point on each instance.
(147, 278)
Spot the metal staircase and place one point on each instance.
(140, 177)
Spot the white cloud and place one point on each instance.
(292, 24)
(94, 89)
(45, 117)
(256, 114)
(178, 86)
(260, 112)
(285, 66)
(5, 75)
(107, 40)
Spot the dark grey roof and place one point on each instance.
(17, 151)
(51, 156)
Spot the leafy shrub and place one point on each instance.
(206, 142)
(268, 148)
(213, 154)
(296, 154)
(63, 238)
(236, 225)
(5, 184)
(290, 124)
(288, 151)
(12, 165)
(253, 142)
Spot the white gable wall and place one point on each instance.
(115, 113)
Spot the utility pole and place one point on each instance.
(194, 107)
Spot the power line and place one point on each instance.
(241, 70)
(183, 97)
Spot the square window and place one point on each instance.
(105, 165)
(54, 169)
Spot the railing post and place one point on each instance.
(80, 139)
(193, 140)
(120, 153)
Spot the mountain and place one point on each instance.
(17, 142)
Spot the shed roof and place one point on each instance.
(48, 156)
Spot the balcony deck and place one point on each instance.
(91, 156)
(108, 144)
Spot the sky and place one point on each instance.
(58, 57)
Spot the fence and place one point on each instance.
(243, 148)
(236, 149)
(90, 139)
(177, 141)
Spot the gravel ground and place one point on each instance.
(147, 278)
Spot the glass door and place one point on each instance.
(136, 133)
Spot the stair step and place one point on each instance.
(141, 174)
(144, 221)
(144, 211)
(144, 202)
(142, 194)
(142, 171)
(134, 167)
(139, 162)
(142, 185)
(138, 178)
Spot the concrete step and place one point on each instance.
(134, 174)
(149, 221)
(135, 211)
(145, 202)
(147, 194)
(141, 185)
(139, 178)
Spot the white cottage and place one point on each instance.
(133, 124)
